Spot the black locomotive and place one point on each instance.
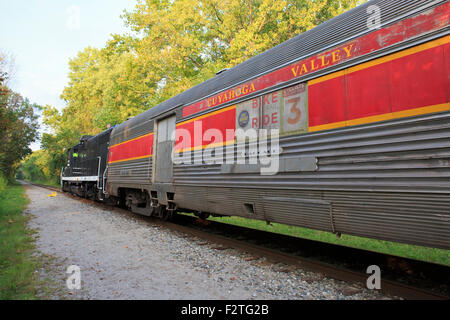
(86, 165)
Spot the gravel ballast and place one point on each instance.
(121, 257)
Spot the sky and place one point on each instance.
(42, 35)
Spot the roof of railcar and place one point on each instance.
(349, 25)
(98, 136)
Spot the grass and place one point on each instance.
(17, 264)
(439, 256)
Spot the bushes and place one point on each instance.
(3, 184)
(18, 124)
(39, 167)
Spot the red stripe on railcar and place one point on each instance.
(137, 148)
(220, 120)
(327, 102)
(418, 80)
(447, 69)
(434, 19)
(387, 85)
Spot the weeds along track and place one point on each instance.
(401, 277)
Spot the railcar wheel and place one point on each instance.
(122, 201)
(203, 215)
(164, 213)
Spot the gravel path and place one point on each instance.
(121, 257)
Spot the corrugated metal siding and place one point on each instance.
(388, 180)
(414, 218)
(411, 217)
(220, 200)
(137, 173)
(408, 155)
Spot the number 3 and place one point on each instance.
(295, 110)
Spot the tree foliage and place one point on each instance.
(35, 167)
(18, 124)
(172, 46)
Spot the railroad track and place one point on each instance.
(280, 250)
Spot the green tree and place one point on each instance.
(18, 125)
(172, 46)
(18, 128)
(186, 42)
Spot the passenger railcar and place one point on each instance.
(364, 119)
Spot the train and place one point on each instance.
(344, 128)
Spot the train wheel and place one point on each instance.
(122, 201)
(203, 215)
(164, 213)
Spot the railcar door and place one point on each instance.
(165, 142)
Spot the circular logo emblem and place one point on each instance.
(243, 119)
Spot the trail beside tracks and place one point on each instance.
(122, 256)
